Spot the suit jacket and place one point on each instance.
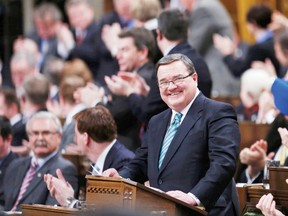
(257, 52)
(19, 133)
(201, 158)
(68, 135)
(117, 156)
(208, 18)
(127, 124)
(3, 167)
(87, 50)
(204, 77)
(52, 47)
(37, 191)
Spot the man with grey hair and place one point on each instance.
(34, 95)
(47, 20)
(22, 64)
(24, 177)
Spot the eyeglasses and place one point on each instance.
(177, 81)
(45, 134)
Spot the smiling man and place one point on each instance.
(24, 177)
(192, 147)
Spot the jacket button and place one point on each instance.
(160, 181)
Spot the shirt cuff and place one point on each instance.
(249, 179)
(196, 199)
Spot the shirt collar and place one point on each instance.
(166, 52)
(101, 160)
(186, 109)
(75, 110)
(42, 161)
(264, 36)
(15, 119)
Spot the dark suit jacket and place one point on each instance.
(201, 158)
(3, 167)
(127, 124)
(37, 191)
(19, 133)
(52, 49)
(257, 52)
(118, 156)
(87, 50)
(204, 77)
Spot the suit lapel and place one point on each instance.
(109, 157)
(188, 123)
(38, 178)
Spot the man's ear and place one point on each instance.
(144, 54)
(159, 34)
(85, 138)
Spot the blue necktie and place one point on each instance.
(169, 136)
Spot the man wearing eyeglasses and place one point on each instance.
(192, 147)
(24, 177)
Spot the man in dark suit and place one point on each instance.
(258, 18)
(96, 138)
(24, 177)
(171, 38)
(47, 19)
(200, 161)
(10, 108)
(6, 155)
(136, 49)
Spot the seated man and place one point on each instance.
(24, 177)
(6, 155)
(95, 133)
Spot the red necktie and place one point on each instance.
(26, 181)
(80, 37)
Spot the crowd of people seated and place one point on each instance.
(132, 92)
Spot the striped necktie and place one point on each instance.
(169, 136)
(26, 181)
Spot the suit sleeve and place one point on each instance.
(223, 139)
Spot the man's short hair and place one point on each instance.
(176, 57)
(47, 10)
(44, 115)
(68, 86)
(10, 97)
(143, 38)
(98, 123)
(36, 89)
(259, 14)
(173, 24)
(5, 128)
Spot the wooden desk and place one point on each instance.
(44, 210)
(249, 197)
(124, 193)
